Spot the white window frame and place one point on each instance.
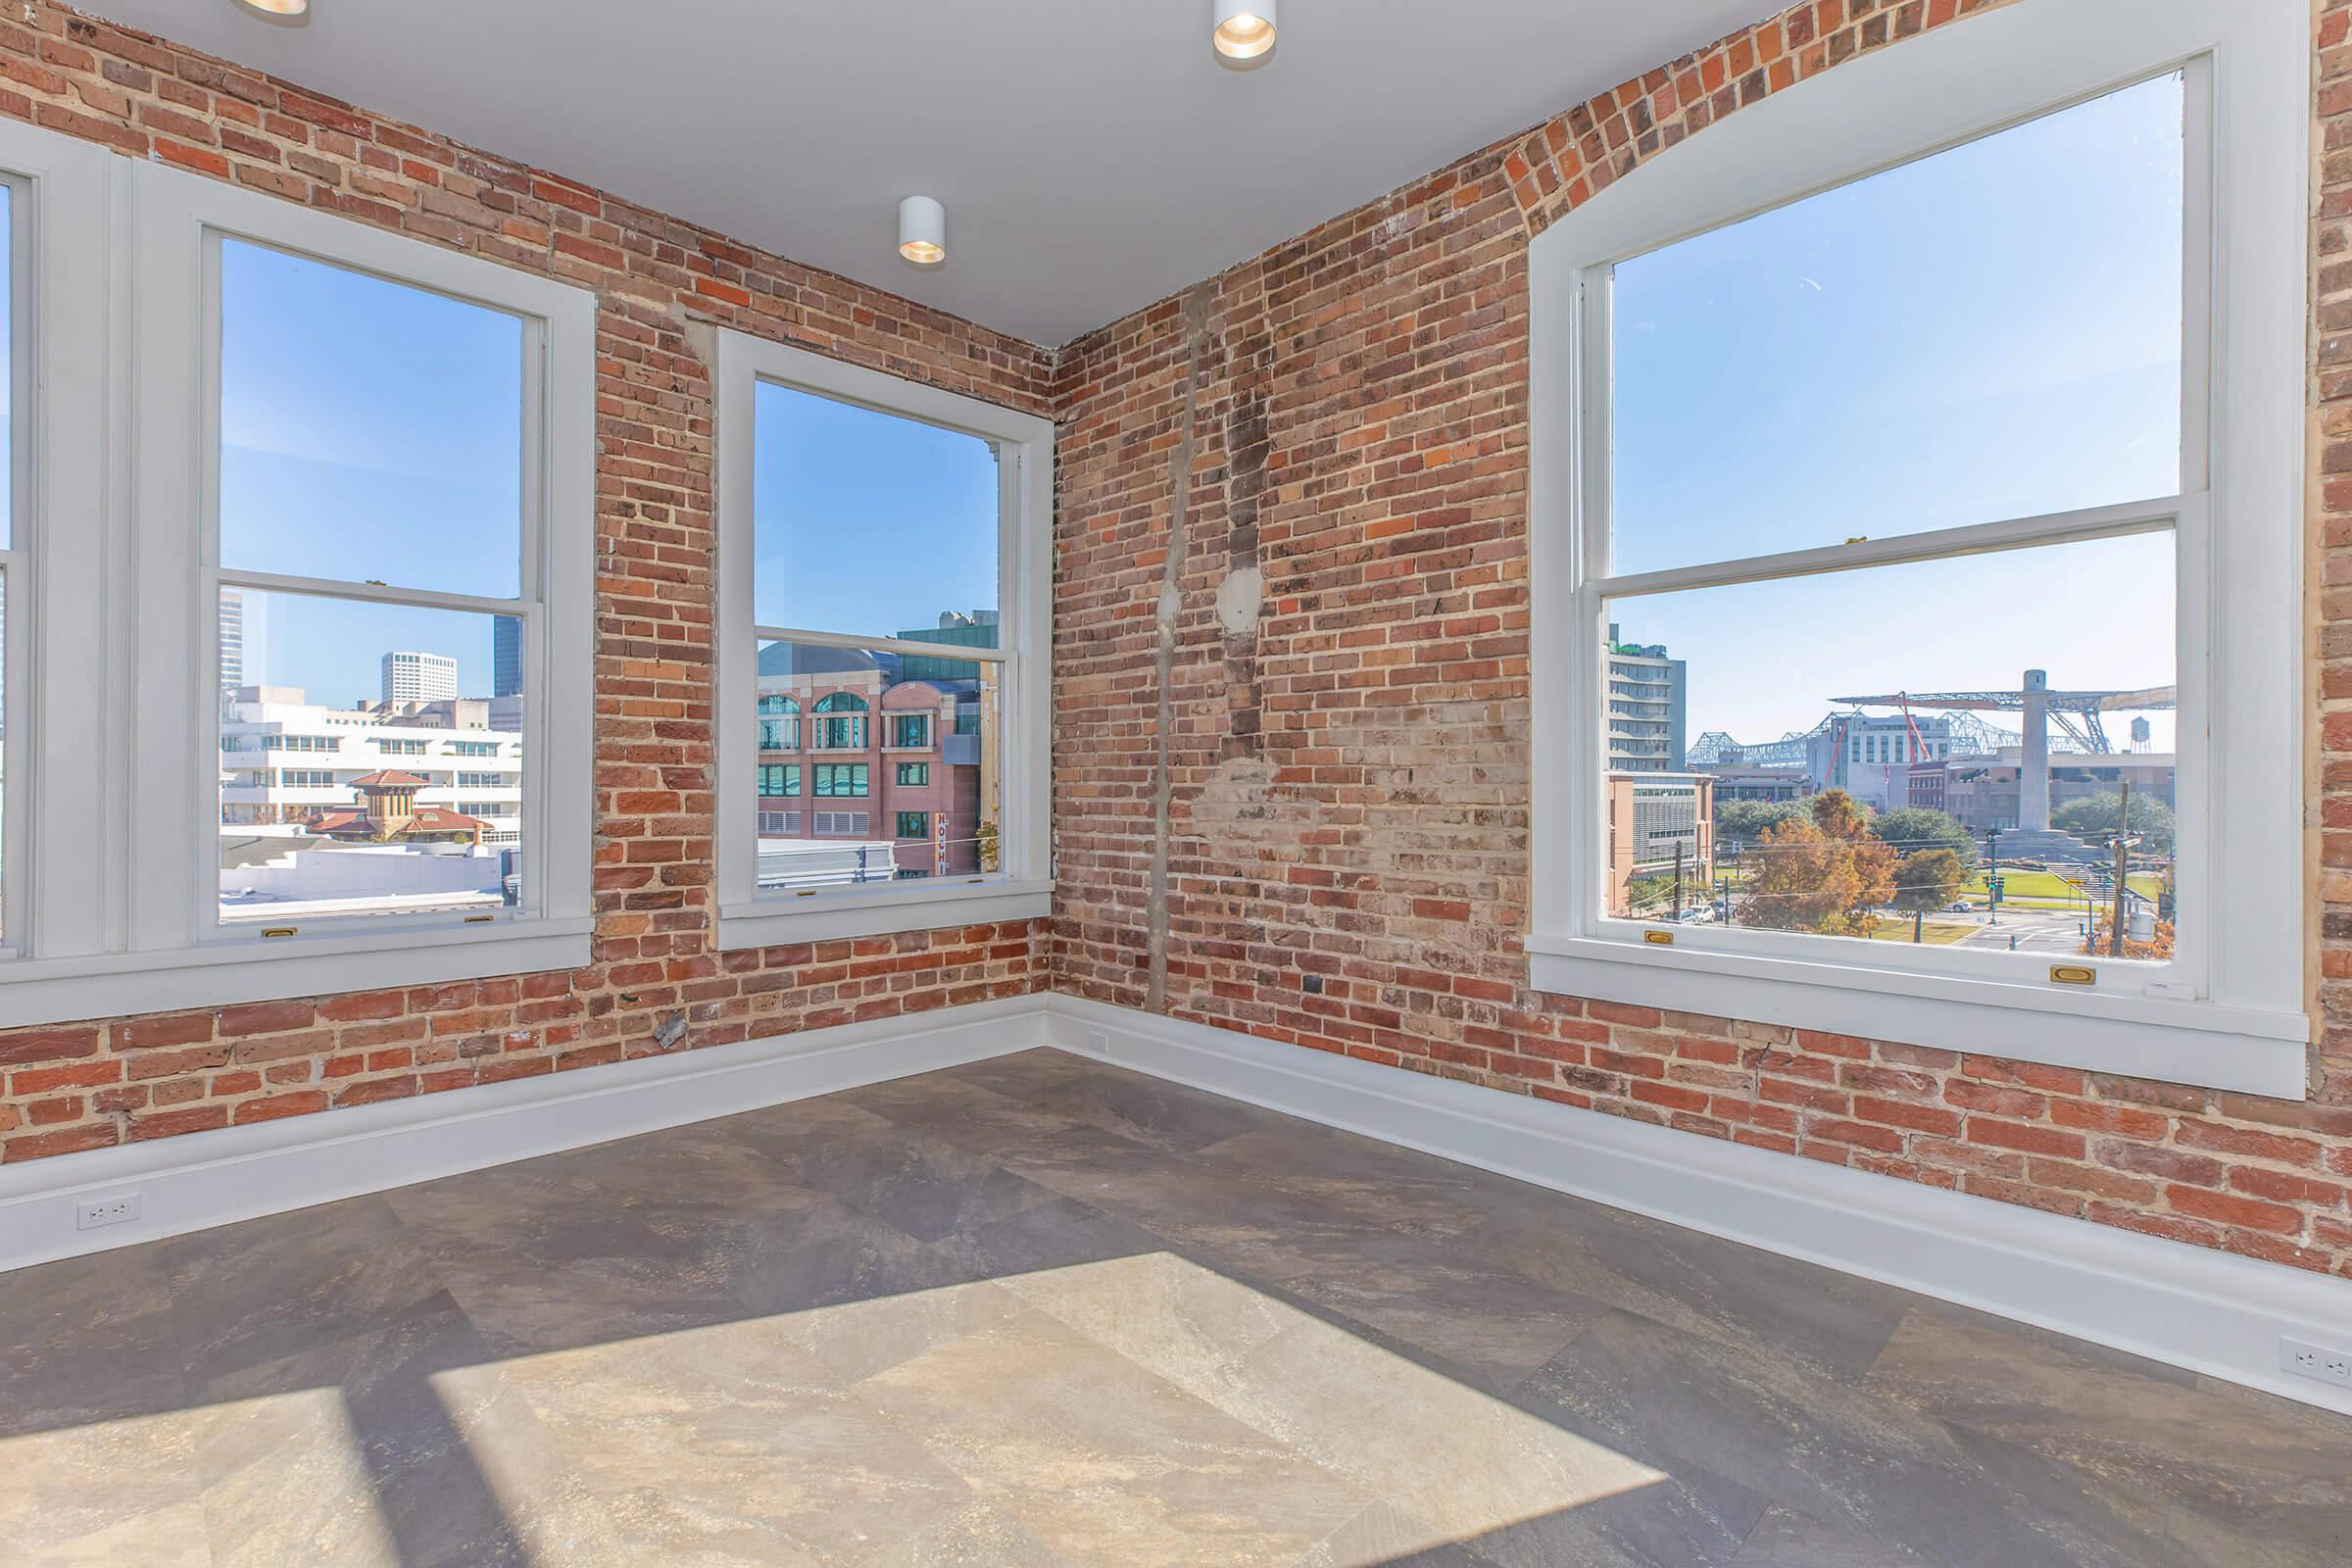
(2233, 1009)
(120, 916)
(1024, 888)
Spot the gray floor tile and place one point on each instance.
(1041, 1312)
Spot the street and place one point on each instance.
(2051, 931)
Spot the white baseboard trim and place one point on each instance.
(2190, 1307)
(199, 1180)
(2186, 1305)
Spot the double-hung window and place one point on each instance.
(1927, 442)
(289, 476)
(884, 563)
(842, 778)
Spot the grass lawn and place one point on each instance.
(2019, 886)
(2046, 890)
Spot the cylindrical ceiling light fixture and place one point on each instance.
(280, 11)
(922, 231)
(1244, 31)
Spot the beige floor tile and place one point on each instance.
(1104, 1461)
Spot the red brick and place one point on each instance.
(2032, 1140)
(65, 1141)
(171, 1123)
(47, 1045)
(268, 1018)
(2227, 1209)
(271, 1107)
(164, 1029)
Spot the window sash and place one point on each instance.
(18, 561)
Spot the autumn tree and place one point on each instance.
(1930, 880)
(1912, 829)
(2094, 817)
(2102, 931)
(1746, 822)
(1824, 872)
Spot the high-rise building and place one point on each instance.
(411, 677)
(506, 655)
(232, 643)
(1648, 707)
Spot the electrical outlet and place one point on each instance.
(1097, 1042)
(2317, 1363)
(96, 1214)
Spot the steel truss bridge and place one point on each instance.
(2077, 718)
(2077, 714)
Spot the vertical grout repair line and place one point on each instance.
(1171, 599)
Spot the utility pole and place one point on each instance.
(1993, 878)
(1678, 881)
(2123, 872)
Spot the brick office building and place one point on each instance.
(852, 755)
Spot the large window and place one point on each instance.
(884, 562)
(1898, 556)
(278, 536)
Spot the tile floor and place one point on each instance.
(1042, 1312)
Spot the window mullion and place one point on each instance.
(887, 645)
(2016, 533)
(372, 592)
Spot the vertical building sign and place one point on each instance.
(939, 842)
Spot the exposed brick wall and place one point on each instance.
(1350, 778)
(1347, 757)
(88, 1085)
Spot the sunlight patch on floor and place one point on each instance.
(1142, 1407)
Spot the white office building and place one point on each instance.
(1877, 752)
(286, 761)
(420, 677)
(232, 643)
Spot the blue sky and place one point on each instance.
(1989, 333)
(869, 522)
(371, 430)
(368, 430)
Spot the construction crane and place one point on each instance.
(2078, 714)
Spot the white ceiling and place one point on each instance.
(1092, 155)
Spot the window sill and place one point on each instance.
(923, 905)
(2257, 1051)
(37, 991)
